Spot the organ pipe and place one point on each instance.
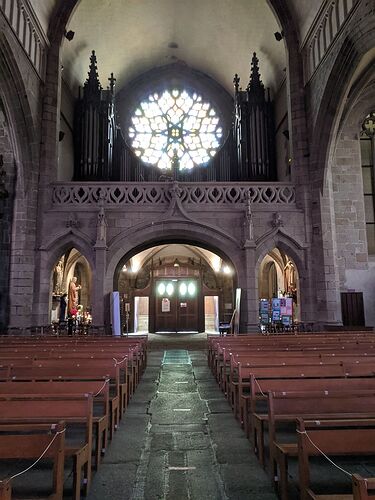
(253, 130)
(94, 129)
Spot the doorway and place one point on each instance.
(176, 278)
(176, 305)
(211, 313)
(140, 314)
(353, 313)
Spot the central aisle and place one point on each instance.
(179, 440)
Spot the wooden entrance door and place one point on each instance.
(353, 313)
(176, 305)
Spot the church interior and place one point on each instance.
(187, 249)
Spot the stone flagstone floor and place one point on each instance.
(179, 440)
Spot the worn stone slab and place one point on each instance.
(242, 481)
(138, 408)
(128, 441)
(178, 428)
(169, 408)
(114, 481)
(224, 424)
(219, 406)
(154, 481)
(163, 441)
(191, 440)
(230, 450)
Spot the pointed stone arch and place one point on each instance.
(278, 239)
(48, 257)
(20, 165)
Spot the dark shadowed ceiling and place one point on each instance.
(216, 37)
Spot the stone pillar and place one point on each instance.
(98, 298)
(248, 283)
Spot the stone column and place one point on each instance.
(98, 298)
(249, 301)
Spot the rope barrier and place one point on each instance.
(324, 455)
(119, 362)
(259, 387)
(100, 390)
(36, 461)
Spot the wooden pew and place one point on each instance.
(98, 389)
(259, 388)
(317, 406)
(118, 373)
(279, 372)
(26, 409)
(228, 369)
(77, 373)
(128, 365)
(363, 488)
(31, 442)
(5, 490)
(348, 440)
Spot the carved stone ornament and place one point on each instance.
(248, 222)
(277, 220)
(101, 226)
(72, 222)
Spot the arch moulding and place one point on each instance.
(162, 232)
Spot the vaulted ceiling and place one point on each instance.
(216, 37)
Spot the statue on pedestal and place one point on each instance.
(73, 295)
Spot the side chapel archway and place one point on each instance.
(70, 264)
(278, 278)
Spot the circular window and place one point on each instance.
(175, 126)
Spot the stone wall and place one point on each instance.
(218, 226)
(6, 215)
(20, 92)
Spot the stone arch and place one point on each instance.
(61, 244)
(48, 257)
(297, 254)
(355, 266)
(129, 242)
(20, 165)
(14, 97)
(287, 245)
(358, 43)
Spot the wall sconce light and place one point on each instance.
(227, 270)
(69, 35)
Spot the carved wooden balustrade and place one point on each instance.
(75, 195)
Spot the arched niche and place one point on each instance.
(278, 277)
(70, 264)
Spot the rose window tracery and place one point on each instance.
(175, 126)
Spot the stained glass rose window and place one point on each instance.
(175, 124)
